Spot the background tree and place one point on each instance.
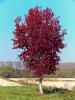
(9, 72)
(40, 37)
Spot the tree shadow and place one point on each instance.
(54, 90)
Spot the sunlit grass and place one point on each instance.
(32, 93)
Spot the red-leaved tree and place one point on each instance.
(40, 37)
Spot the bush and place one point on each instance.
(9, 72)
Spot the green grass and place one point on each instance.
(32, 93)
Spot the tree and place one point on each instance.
(40, 37)
(7, 71)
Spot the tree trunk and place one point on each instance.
(40, 85)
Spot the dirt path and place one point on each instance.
(68, 83)
(4, 82)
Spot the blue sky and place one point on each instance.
(10, 9)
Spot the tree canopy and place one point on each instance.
(41, 39)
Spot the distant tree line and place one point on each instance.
(10, 72)
(7, 71)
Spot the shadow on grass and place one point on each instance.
(54, 90)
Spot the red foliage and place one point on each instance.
(41, 40)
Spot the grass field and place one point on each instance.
(31, 93)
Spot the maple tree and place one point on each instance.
(40, 37)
